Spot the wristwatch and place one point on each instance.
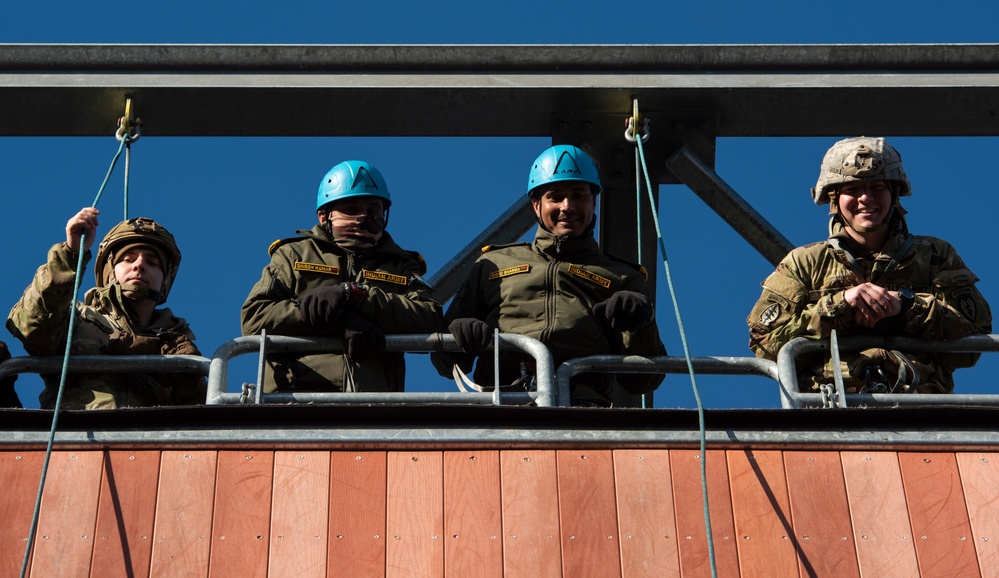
(907, 297)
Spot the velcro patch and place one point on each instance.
(590, 276)
(770, 314)
(317, 267)
(383, 276)
(510, 271)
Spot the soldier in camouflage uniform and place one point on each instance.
(561, 289)
(870, 277)
(137, 263)
(8, 395)
(344, 278)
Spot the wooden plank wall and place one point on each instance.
(501, 513)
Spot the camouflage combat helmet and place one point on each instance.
(860, 159)
(132, 233)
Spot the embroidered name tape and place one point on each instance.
(387, 277)
(317, 267)
(590, 276)
(510, 271)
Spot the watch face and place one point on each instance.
(906, 293)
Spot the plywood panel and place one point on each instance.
(881, 528)
(943, 538)
(357, 514)
(64, 541)
(241, 524)
(299, 514)
(688, 498)
(980, 478)
(821, 517)
(762, 514)
(183, 525)
(124, 536)
(588, 514)
(645, 514)
(21, 474)
(473, 544)
(531, 539)
(415, 515)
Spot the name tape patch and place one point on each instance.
(382, 276)
(317, 267)
(590, 276)
(510, 271)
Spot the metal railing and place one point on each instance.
(792, 398)
(545, 395)
(662, 364)
(216, 370)
(552, 386)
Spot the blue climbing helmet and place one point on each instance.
(563, 163)
(352, 179)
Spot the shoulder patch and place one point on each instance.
(274, 246)
(488, 248)
(636, 266)
(423, 262)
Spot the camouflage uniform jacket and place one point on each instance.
(398, 301)
(804, 297)
(103, 327)
(547, 290)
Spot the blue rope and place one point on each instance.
(690, 365)
(62, 375)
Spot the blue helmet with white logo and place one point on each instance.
(352, 179)
(563, 163)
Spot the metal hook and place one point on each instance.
(629, 133)
(125, 125)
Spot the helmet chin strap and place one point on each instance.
(141, 293)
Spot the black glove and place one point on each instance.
(626, 311)
(322, 306)
(363, 340)
(473, 335)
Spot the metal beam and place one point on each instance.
(731, 207)
(216, 90)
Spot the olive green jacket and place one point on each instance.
(804, 297)
(398, 301)
(8, 395)
(103, 327)
(547, 290)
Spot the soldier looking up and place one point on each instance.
(137, 263)
(344, 278)
(870, 277)
(561, 289)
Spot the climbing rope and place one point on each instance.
(631, 136)
(124, 140)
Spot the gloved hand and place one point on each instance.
(322, 306)
(128, 344)
(362, 339)
(177, 344)
(625, 310)
(473, 335)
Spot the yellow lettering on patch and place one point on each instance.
(382, 276)
(317, 267)
(510, 271)
(590, 276)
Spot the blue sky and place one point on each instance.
(227, 199)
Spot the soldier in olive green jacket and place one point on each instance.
(8, 395)
(871, 277)
(137, 263)
(561, 289)
(344, 278)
